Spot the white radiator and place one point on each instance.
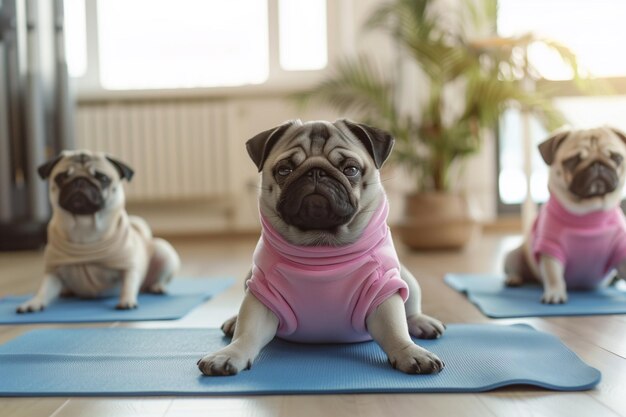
(178, 149)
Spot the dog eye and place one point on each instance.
(102, 178)
(60, 178)
(617, 158)
(572, 162)
(351, 171)
(283, 171)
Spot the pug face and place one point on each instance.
(320, 181)
(83, 183)
(587, 170)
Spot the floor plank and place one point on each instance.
(27, 407)
(227, 407)
(118, 407)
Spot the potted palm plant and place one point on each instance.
(490, 74)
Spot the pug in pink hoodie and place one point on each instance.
(325, 269)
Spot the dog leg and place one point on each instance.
(49, 290)
(513, 267)
(229, 325)
(66, 293)
(554, 288)
(420, 325)
(164, 264)
(519, 269)
(388, 327)
(621, 271)
(131, 281)
(256, 327)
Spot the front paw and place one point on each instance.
(126, 305)
(554, 296)
(416, 360)
(425, 327)
(31, 306)
(157, 289)
(513, 281)
(229, 326)
(227, 361)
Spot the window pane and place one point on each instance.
(187, 43)
(512, 179)
(594, 30)
(595, 111)
(75, 37)
(302, 28)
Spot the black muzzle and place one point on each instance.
(596, 180)
(316, 201)
(80, 196)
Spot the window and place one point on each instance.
(160, 44)
(512, 178)
(302, 25)
(75, 37)
(595, 32)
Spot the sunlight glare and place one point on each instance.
(594, 31)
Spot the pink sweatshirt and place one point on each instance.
(324, 294)
(589, 245)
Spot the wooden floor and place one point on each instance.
(600, 341)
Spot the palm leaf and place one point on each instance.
(355, 86)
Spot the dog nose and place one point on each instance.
(316, 173)
(599, 167)
(80, 182)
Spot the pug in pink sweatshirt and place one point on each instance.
(325, 268)
(578, 239)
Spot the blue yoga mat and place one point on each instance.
(121, 361)
(495, 300)
(184, 294)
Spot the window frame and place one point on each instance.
(280, 81)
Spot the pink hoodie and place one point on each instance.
(589, 245)
(324, 294)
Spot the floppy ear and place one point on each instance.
(124, 170)
(377, 142)
(548, 147)
(259, 147)
(46, 168)
(619, 133)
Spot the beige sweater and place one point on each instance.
(116, 251)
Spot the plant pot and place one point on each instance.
(436, 221)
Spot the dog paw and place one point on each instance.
(31, 306)
(229, 326)
(126, 305)
(158, 289)
(66, 293)
(416, 360)
(425, 327)
(224, 362)
(554, 296)
(513, 281)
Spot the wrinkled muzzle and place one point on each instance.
(80, 196)
(316, 201)
(596, 180)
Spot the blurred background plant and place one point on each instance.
(493, 73)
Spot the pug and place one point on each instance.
(93, 244)
(325, 269)
(579, 236)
